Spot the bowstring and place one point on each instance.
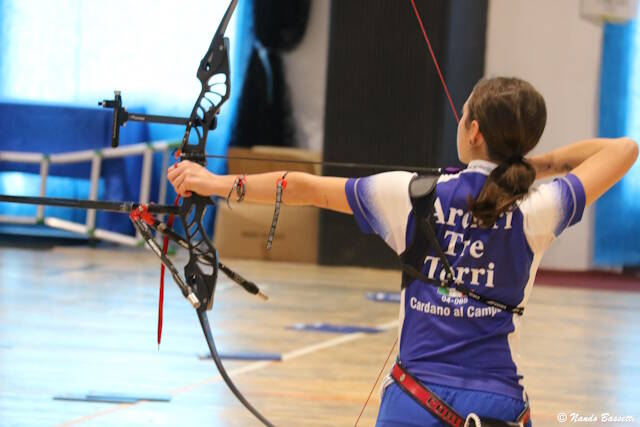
(377, 379)
(435, 62)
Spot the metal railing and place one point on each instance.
(95, 157)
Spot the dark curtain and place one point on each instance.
(385, 103)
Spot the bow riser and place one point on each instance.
(202, 254)
(214, 92)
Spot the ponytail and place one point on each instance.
(507, 183)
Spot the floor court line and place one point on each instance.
(251, 367)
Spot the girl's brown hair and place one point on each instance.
(511, 115)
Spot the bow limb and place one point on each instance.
(204, 322)
(201, 273)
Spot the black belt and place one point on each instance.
(439, 409)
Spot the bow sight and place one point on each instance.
(121, 116)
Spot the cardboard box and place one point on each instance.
(241, 232)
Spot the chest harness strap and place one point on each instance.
(422, 191)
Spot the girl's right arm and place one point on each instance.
(598, 163)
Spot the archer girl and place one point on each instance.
(458, 358)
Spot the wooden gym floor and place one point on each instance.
(75, 320)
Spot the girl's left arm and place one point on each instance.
(302, 189)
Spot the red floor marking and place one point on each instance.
(603, 280)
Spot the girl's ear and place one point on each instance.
(475, 136)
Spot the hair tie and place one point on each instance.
(513, 159)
